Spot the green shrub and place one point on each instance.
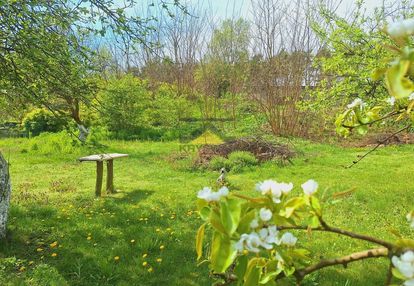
(42, 120)
(218, 162)
(241, 159)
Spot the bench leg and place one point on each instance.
(99, 176)
(110, 176)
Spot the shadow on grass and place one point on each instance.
(90, 236)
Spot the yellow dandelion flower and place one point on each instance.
(21, 269)
(54, 254)
(158, 230)
(159, 260)
(144, 255)
(144, 263)
(150, 269)
(31, 262)
(89, 238)
(39, 249)
(116, 258)
(162, 247)
(54, 244)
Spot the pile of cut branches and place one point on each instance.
(263, 150)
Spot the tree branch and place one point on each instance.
(342, 232)
(377, 146)
(344, 260)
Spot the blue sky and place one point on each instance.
(241, 8)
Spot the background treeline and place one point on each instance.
(282, 70)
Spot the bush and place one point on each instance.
(241, 159)
(218, 162)
(42, 120)
(235, 162)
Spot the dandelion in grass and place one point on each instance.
(54, 254)
(144, 255)
(39, 249)
(150, 269)
(162, 247)
(116, 258)
(144, 264)
(132, 240)
(159, 260)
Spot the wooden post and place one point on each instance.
(99, 176)
(110, 176)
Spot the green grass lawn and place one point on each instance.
(150, 224)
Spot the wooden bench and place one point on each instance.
(99, 159)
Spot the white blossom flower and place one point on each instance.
(265, 214)
(272, 236)
(411, 97)
(402, 28)
(267, 187)
(254, 223)
(405, 264)
(285, 188)
(357, 102)
(264, 234)
(410, 219)
(274, 188)
(208, 195)
(265, 238)
(253, 242)
(391, 100)
(288, 239)
(309, 187)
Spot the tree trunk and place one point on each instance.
(5, 191)
(83, 133)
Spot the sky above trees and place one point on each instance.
(242, 8)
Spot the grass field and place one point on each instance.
(144, 234)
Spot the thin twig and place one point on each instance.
(342, 232)
(377, 146)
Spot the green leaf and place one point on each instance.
(244, 225)
(252, 276)
(293, 204)
(241, 267)
(222, 252)
(230, 214)
(216, 222)
(199, 240)
(362, 130)
(397, 83)
(398, 274)
(205, 213)
(405, 243)
(314, 202)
